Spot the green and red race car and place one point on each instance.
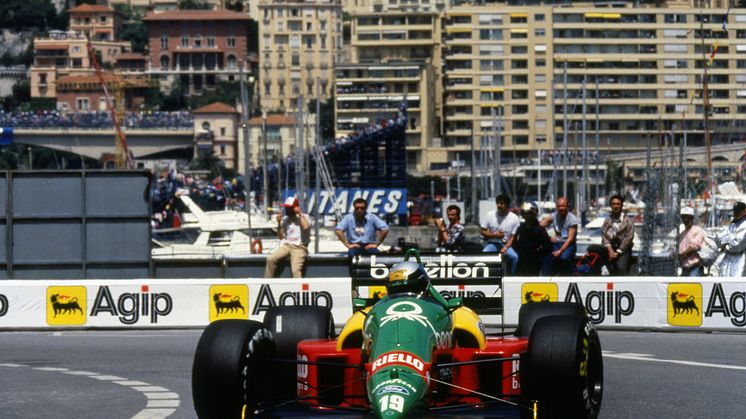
(408, 353)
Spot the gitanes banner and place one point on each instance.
(380, 201)
(611, 303)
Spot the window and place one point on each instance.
(102, 19)
(539, 17)
(266, 89)
(206, 126)
(184, 41)
(198, 41)
(82, 104)
(309, 26)
(211, 41)
(295, 59)
(164, 42)
(164, 62)
(231, 42)
(222, 131)
(323, 42)
(539, 32)
(222, 149)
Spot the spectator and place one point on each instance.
(450, 240)
(530, 241)
(498, 228)
(733, 242)
(617, 236)
(690, 242)
(294, 232)
(358, 231)
(563, 230)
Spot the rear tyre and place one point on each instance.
(563, 368)
(529, 313)
(230, 369)
(289, 326)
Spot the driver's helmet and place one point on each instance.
(407, 277)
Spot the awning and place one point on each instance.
(740, 48)
(519, 30)
(458, 30)
(491, 89)
(612, 16)
(540, 48)
(519, 15)
(344, 83)
(594, 15)
(395, 68)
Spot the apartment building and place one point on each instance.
(631, 72)
(397, 56)
(299, 44)
(196, 48)
(64, 54)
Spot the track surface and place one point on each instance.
(146, 374)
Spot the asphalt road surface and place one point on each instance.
(146, 374)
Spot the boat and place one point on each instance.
(216, 234)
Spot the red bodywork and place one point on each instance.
(329, 384)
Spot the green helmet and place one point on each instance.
(407, 277)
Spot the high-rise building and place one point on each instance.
(299, 44)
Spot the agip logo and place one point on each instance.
(685, 304)
(66, 306)
(229, 302)
(534, 292)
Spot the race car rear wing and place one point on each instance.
(444, 269)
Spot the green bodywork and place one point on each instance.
(400, 334)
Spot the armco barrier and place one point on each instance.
(613, 303)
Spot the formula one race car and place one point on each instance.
(409, 353)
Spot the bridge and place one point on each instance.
(96, 142)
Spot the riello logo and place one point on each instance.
(130, 306)
(305, 297)
(443, 268)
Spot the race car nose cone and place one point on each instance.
(394, 393)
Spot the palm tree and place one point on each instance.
(207, 161)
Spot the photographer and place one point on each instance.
(295, 229)
(450, 240)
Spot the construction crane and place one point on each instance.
(123, 159)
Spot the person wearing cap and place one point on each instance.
(498, 227)
(733, 242)
(617, 236)
(361, 232)
(294, 232)
(690, 242)
(530, 241)
(450, 239)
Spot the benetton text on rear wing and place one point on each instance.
(442, 268)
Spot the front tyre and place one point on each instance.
(230, 369)
(563, 367)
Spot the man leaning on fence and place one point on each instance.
(732, 241)
(617, 235)
(294, 232)
(690, 243)
(361, 232)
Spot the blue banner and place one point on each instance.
(380, 201)
(6, 136)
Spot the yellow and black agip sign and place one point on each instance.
(685, 304)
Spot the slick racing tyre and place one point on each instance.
(529, 313)
(290, 325)
(563, 368)
(231, 369)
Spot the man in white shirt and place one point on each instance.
(498, 227)
(294, 232)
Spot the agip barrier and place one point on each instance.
(666, 303)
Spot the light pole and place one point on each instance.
(245, 115)
(265, 170)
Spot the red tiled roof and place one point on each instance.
(196, 15)
(273, 119)
(216, 107)
(90, 8)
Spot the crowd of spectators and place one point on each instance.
(93, 120)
